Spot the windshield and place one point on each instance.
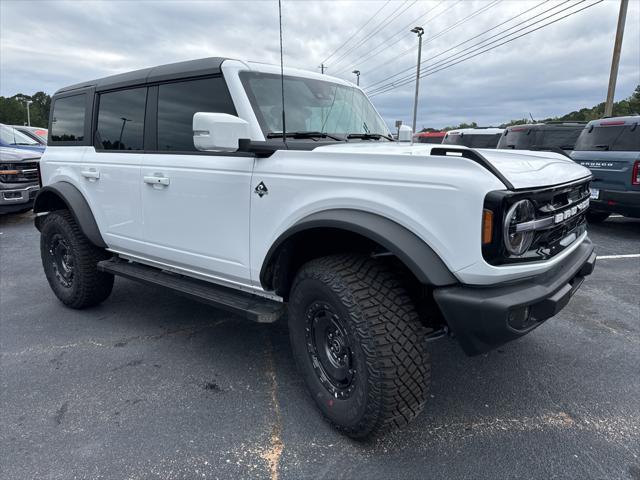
(11, 136)
(473, 140)
(310, 106)
(619, 137)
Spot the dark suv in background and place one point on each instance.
(542, 136)
(610, 148)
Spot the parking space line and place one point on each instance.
(611, 257)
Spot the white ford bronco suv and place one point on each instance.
(190, 177)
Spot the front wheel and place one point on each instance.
(70, 262)
(358, 343)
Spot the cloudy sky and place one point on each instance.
(564, 66)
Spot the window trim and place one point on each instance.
(88, 114)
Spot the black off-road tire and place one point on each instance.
(597, 217)
(62, 245)
(364, 298)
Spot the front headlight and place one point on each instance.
(517, 243)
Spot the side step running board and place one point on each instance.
(251, 307)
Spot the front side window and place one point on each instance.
(178, 102)
(67, 124)
(121, 119)
(614, 137)
(310, 106)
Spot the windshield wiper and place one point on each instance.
(602, 147)
(303, 134)
(369, 136)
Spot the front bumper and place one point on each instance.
(14, 198)
(623, 202)
(483, 318)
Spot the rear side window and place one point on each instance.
(67, 123)
(601, 138)
(178, 102)
(121, 119)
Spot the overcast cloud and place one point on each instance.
(45, 45)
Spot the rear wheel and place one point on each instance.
(358, 343)
(70, 262)
(597, 217)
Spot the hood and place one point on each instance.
(13, 155)
(522, 168)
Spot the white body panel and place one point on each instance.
(199, 221)
(110, 182)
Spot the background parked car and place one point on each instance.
(474, 137)
(610, 147)
(429, 137)
(542, 136)
(37, 133)
(12, 138)
(18, 179)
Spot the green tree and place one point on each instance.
(13, 110)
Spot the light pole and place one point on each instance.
(28, 102)
(419, 31)
(615, 61)
(357, 72)
(124, 122)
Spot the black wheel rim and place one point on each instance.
(329, 348)
(61, 260)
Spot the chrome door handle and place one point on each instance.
(153, 180)
(92, 174)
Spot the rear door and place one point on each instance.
(196, 214)
(609, 150)
(111, 167)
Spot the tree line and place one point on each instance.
(13, 110)
(628, 106)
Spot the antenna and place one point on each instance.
(532, 118)
(284, 129)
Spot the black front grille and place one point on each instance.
(23, 172)
(548, 202)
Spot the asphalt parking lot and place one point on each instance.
(152, 385)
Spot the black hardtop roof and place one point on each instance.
(170, 71)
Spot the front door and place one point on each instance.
(196, 213)
(195, 204)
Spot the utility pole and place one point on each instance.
(615, 61)
(419, 31)
(357, 72)
(28, 102)
(322, 68)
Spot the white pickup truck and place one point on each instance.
(190, 177)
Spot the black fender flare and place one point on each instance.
(411, 250)
(65, 195)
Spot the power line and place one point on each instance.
(382, 25)
(357, 32)
(370, 87)
(478, 45)
(428, 73)
(430, 39)
(400, 33)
